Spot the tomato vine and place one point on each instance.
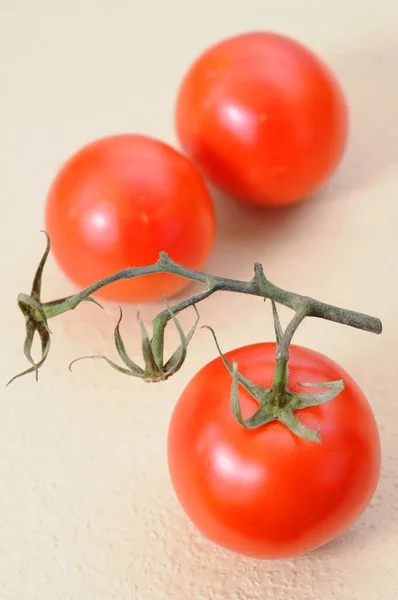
(275, 403)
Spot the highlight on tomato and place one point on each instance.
(263, 117)
(119, 201)
(266, 492)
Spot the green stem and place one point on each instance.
(161, 320)
(258, 286)
(279, 383)
(37, 313)
(283, 346)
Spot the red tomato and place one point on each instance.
(266, 493)
(263, 118)
(117, 203)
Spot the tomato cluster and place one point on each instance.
(263, 119)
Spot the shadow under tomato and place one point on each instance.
(246, 234)
(378, 524)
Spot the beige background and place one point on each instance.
(87, 511)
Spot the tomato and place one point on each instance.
(117, 203)
(267, 493)
(263, 117)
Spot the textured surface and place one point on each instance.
(86, 507)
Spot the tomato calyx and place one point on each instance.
(278, 402)
(155, 369)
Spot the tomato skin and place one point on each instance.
(266, 493)
(117, 203)
(263, 117)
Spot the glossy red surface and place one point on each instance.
(267, 493)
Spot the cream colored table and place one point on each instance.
(87, 511)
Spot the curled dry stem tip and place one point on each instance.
(36, 315)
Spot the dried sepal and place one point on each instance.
(106, 359)
(37, 280)
(235, 403)
(152, 371)
(131, 369)
(265, 413)
(262, 416)
(303, 400)
(178, 357)
(257, 391)
(36, 315)
(121, 350)
(277, 323)
(45, 348)
(51, 308)
(35, 322)
(289, 418)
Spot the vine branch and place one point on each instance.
(37, 312)
(258, 286)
